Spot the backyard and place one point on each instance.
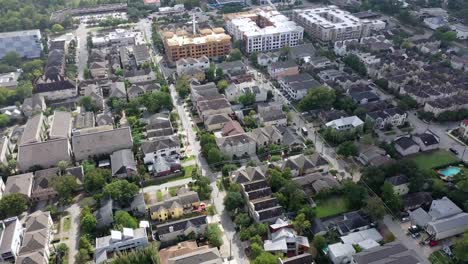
(439, 258)
(429, 160)
(331, 206)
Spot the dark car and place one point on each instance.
(454, 151)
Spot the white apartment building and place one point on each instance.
(330, 24)
(261, 30)
(186, 64)
(11, 235)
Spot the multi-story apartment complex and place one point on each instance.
(261, 30)
(330, 24)
(11, 234)
(25, 43)
(207, 42)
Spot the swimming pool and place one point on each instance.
(450, 171)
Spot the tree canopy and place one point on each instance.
(124, 219)
(13, 204)
(318, 98)
(121, 190)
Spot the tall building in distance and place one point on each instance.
(330, 24)
(181, 44)
(25, 43)
(262, 30)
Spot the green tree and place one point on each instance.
(356, 64)
(301, 224)
(65, 186)
(183, 86)
(460, 248)
(157, 101)
(355, 194)
(210, 73)
(392, 199)
(202, 187)
(95, 179)
(13, 205)
(88, 223)
(375, 208)
(222, 85)
(124, 219)
(318, 98)
(256, 250)
(242, 220)
(254, 59)
(88, 103)
(214, 156)
(247, 98)
(445, 35)
(265, 258)
(407, 102)
(319, 242)
(12, 58)
(121, 191)
(57, 28)
(233, 200)
(347, 149)
(235, 55)
(4, 120)
(219, 73)
(214, 235)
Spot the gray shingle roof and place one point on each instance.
(45, 154)
(122, 161)
(393, 252)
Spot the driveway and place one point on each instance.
(423, 252)
(82, 51)
(74, 233)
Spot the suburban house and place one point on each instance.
(11, 236)
(427, 141)
(203, 90)
(160, 147)
(346, 123)
(413, 201)
(373, 156)
(266, 135)
(139, 76)
(4, 150)
(61, 125)
(283, 68)
(238, 145)
(117, 90)
(208, 106)
(302, 164)
(100, 141)
(443, 220)
(170, 231)
(315, 183)
(21, 183)
(263, 207)
(163, 166)
(216, 121)
(365, 239)
(249, 174)
(51, 90)
(235, 90)
(185, 64)
(305, 258)
(352, 222)
(141, 54)
(45, 154)
(271, 114)
(35, 130)
(43, 190)
(37, 238)
(104, 214)
(123, 164)
(104, 119)
(190, 252)
(158, 125)
(405, 146)
(125, 240)
(297, 86)
(400, 184)
(264, 59)
(340, 253)
(389, 117)
(34, 104)
(393, 252)
(138, 90)
(232, 128)
(284, 240)
(174, 207)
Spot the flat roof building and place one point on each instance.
(263, 30)
(26, 43)
(333, 24)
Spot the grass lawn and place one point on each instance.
(439, 258)
(173, 190)
(331, 206)
(433, 159)
(186, 173)
(159, 196)
(66, 224)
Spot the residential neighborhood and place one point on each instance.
(234, 132)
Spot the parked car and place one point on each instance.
(433, 243)
(454, 151)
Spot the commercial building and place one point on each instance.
(25, 43)
(207, 42)
(330, 24)
(261, 30)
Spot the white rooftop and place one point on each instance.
(345, 121)
(356, 237)
(329, 17)
(340, 249)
